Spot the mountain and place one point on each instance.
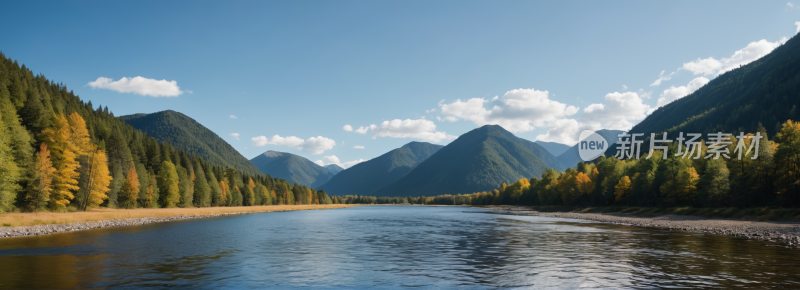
(571, 157)
(477, 161)
(553, 147)
(333, 168)
(766, 90)
(292, 168)
(367, 177)
(187, 134)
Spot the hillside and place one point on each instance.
(292, 168)
(766, 90)
(185, 133)
(553, 147)
(333, 168)
(367, 177)
(571, 157)
(477, 161)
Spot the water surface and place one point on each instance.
(383, 246)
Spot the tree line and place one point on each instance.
(773, 178)
(59, 153)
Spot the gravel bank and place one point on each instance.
(782, 232)
(57, 228)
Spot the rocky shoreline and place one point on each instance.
(59, 228)
(781, 232)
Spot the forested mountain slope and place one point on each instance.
(367, 177)
(478, 160)
(186, 134)
(60, 153)
(765, 91)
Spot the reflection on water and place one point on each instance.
(392, 246)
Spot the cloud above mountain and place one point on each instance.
(139, 85)
(315, 145)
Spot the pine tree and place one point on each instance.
(63, 154)
(130, 189)
(98, 180)
(38, 193)
(169, 193)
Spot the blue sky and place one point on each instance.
(416, 70)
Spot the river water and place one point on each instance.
(392, 246)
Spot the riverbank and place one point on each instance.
(26, 224)
(775, 231)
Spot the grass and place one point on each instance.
(97, 214)
(755, 213)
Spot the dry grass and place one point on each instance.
(98, 214)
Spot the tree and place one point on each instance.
(623, 188)
(63, 154)
(130, 189)
(585, 184)
(39, 189)
(98, 180)
(715, 183)
(169, 193)
(202, 192)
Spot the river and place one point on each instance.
(392, 246)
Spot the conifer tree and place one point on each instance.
(130, 189)
(63, 155)
(168, 191)
(98, 179)
(38, 193)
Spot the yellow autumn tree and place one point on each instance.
(64, 155)
(79, 135)
(252, 195)
(585, 184)
(39, 190)
(623, 188)
(130, 189)
(224, 196)
(98, 179)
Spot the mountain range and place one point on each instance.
(479, 160)
(293, 168)
(185, 133)
(367, 177)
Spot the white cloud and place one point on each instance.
(415, 129)
(751, 52)
(328, 160)
(789, 4)
(674, 93)
(358, 147)
(430, 111)
(620, 112)
(562, 131)
(661, 78)
(235, 135)
(315, 145)
(348, 128)
(624, 87)
(522, 110)
(188, 91)
(139, 85)
(233, 117)
(798, 27)
(364, 130)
